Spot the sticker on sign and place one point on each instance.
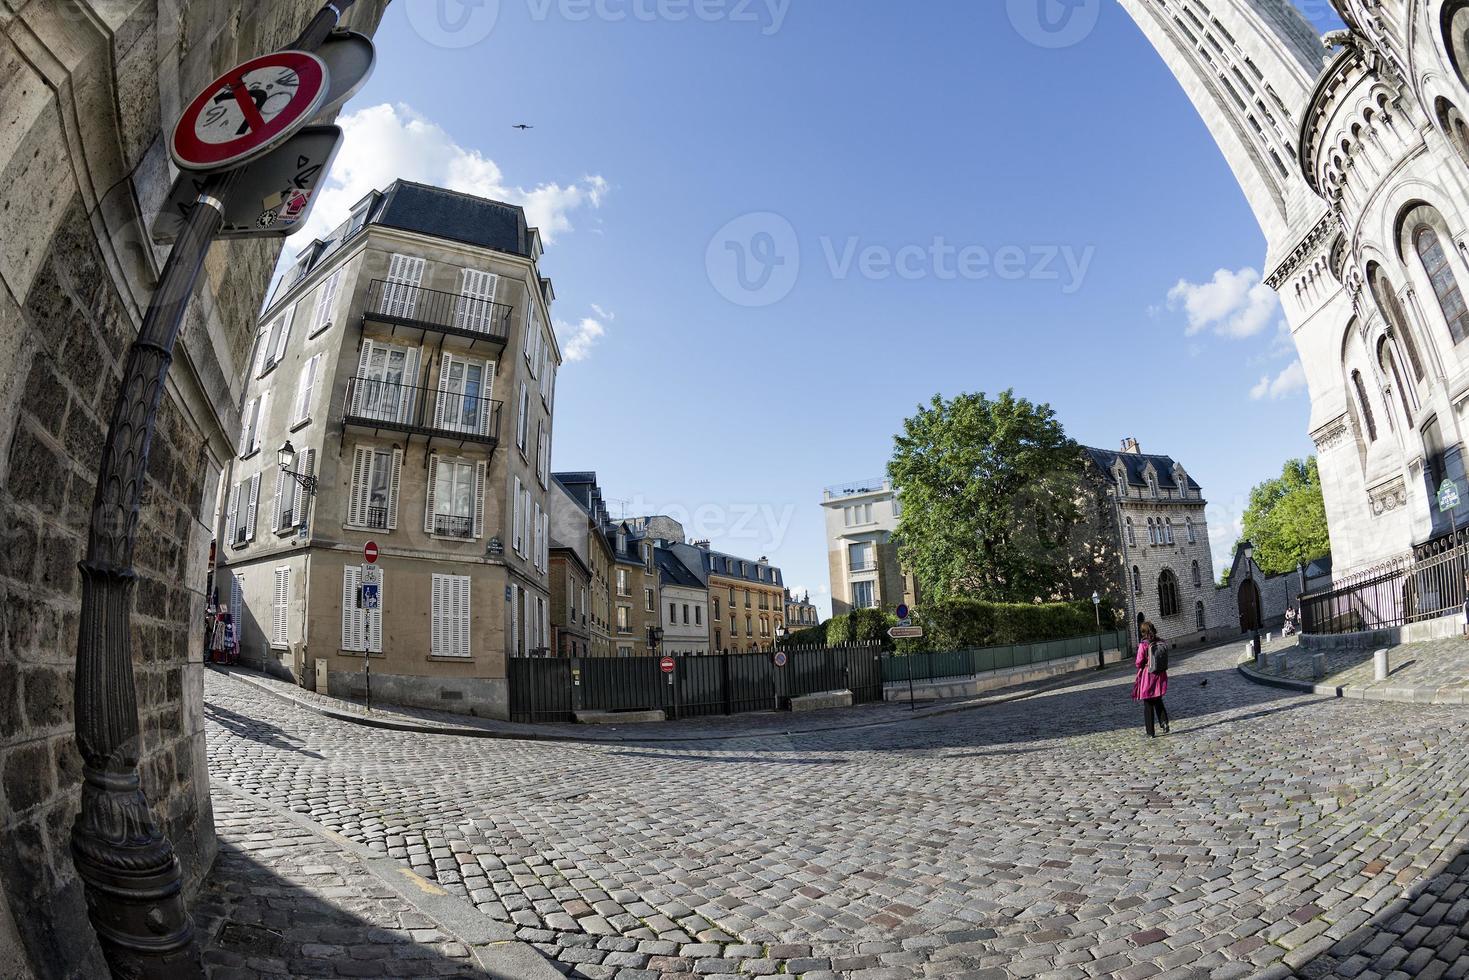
(666, 665)
(905, 632)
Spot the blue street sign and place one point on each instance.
(902, 610)
(371, 597)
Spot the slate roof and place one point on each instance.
(718, 563)
(672, 570)
(1135, 463)
(1319, 567)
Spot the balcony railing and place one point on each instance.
(376, 518)
(863, 566)
(449, 526)
(422, 411)
(399, 304)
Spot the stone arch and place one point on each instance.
(1167, 594)
(1453, 125)
(1380, 285)
(1453, 20)
(1424, 241)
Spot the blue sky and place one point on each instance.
(876, 144)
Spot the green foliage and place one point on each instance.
(859, 626)
(811, 636)
(1286, 518)
(990, 492)
(954, 624)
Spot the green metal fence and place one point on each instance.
(981, 660)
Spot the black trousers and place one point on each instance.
(1153, 710)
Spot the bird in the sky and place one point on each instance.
(521, 126)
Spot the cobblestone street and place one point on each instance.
(1271, 833)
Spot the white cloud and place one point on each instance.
(578, 339)
(1226, 526)
(385, 142)
(1232, 304)
(1287, 382)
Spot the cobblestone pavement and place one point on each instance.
(283, 901)
(1432, 670)
(1270, 833)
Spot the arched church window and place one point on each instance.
(1392, 312)
(1199, 615)
(1365, 406)
(1455, 129)
(1390, 371)
(1168, 530)
(1152, 532)
(1445, 286)
(1167, 593)
(1188, 526)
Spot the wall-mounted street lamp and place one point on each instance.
(287, 458)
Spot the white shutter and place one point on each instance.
(432, 495)
(438, 614)
(298, 506)
(306, 388)
(486, 392)
(514, 633)
(521, 422)
(360, 393)
(258, 425)
(400, 298)
(280, 496)
(253, 507)
(481, 471)
(536, 555)
(284, 336)
(545, 541)
(394, 481)
(231, 514)
(409, 390)
(280, 608)
(237, 602)
(515, 527)
(443, 394)
(351, 620)
(247, 426)
(461, 616)
(326, 298)
(361, 486)
(525, 516)
(263, 348)
(476, 293)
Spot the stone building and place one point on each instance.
(571, 587)
(746, 601)
(409, 361)
(1357, 171)
(87, 90)
(801, 614)
(635, 590)
(862, 553)
(578, 514)
(684, 605)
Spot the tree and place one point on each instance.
(990, 496)
(1286, 518)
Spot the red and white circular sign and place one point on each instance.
(249, 110)
(369, 551)
(666, 664)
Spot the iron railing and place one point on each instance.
(450, 526)
(1408, 589)
(425, 411)
(980, 660)
(399, 304)
(376, 518)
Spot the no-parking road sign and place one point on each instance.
(249, 110)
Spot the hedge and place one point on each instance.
(811, 636)
(859, 626)
(958, 623)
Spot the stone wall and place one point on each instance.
(85, 88)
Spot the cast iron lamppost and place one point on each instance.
(1097, 608)
(1248, 550)
(287, 459)
(130, 873)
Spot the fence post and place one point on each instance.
(912, 704)
(724, 677)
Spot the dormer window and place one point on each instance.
(359, 218)
(1153, 483)
(1121, 481)
(622, 542)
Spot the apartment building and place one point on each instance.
(862, 554)
(801, 614)
(684, 604)
(746, 601)
(571, 587)
(578, 514)
(409, 362)
(635, 591)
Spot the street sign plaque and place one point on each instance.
(905, 632)
(271, 198)
(249, 110)
(1448, 495)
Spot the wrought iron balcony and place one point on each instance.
(449, 526)
(432, 412)
(863, 566)
(376, 518)
(399, 305)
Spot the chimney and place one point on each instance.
(1129, 445)
(702, 545)
(764, 560)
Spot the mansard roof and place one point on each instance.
(1136, 466)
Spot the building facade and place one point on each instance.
(409, 361)
(746, 601)
(578, 514)
(861, 550)
(89, 91)
(801, 613)
(1358, 173)
(684, 605)
(571, 587)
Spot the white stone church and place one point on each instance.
(1353, 151)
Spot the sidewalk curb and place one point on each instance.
(431, 728)
(493, 944)
(1394, 695)
(1287, 683)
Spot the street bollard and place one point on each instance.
(1379, 665)
(1318, 666)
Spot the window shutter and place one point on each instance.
(325, 299)
(253, 507)
(284, 336)
(247, 426)
(545, 541)
(521, 421)
(437, 612)
(280, 495)
(481, 471)
(394, 480)
(443, 394)
(281, 607)
(361, 482)
(432, 495)
(259, 422)
(298, 506)
(515, 527)
(372, 619)
(487, 392)
(514, 621)
(237, 601)
(309, 372)
(536, 545)
(351, 637)
(231, 514)
(263, 348)
(409, 391)
(461, 639)
(404, 273)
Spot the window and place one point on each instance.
(1121, 475)
(384, 388)
(1188, 525)
(449, 628)
(863, 595)
(376, 474)
(698, 615)
(1152, 532)
(1167, 593)
(764, 625)
(672, 613)
(362, 629)
(517, 532)
(400, 295)
(543, 454)
(474, 309)
(241, 510)
(747, 598)
(456, 498)
(860, 555)
(1198, 580)
(305, 388)
(326, 301)
(686, 614)
(463, 402)
(537, 527)
(856, 515)
(1392, 312)
(1131, 534)
(1137, 581)
(359, 218)
(272, 340)
(749, 626)
(1445, 286)
(649, 602)
(280, 607)
(290, 495)
(731, 601)
(522, 424)
(1168, 530)
(253, 422)
(648, 556)
(1389, 366)
(624, 614)
(1365, 405)
(1199, 615)
(622, 583)
(715, 613)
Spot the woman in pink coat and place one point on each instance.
(1149, 687)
